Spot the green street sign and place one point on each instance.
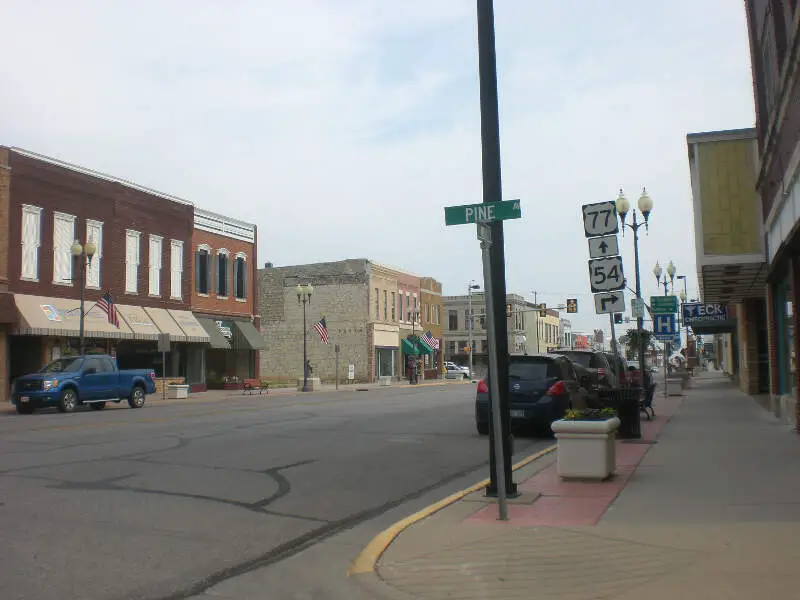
(485, 212)
(664, 305)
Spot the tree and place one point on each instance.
(631, 341)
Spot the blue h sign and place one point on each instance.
(665, 327)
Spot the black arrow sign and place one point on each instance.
(603, 247)
(603, 301)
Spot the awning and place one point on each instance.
(710, 326)
(166, 324)
(138, 320)
(247, 337)
(408, 347)
(42, 315)
(215, 337)
(423, 347)
(190, 326)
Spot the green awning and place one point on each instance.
(408, 347)
(247, 337)
(215, 337)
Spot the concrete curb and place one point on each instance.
(365, 562)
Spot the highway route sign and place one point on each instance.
(609, 302)
(605, 274)
(606, 245)
(600, 219)
(485, 212)
(665, 326)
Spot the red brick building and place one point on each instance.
(224, 294)
(143, 240)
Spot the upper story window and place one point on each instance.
(63, 236)
(400, 312)
(176, 269)
(94, 234)
(132, 254)
(453, 320)
(385, 305)
(223, 273)
(156, 248)
(203, 266)
(240, 276)
(394, 305)
(377, 301)
(31, 241)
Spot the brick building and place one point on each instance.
(369, 310)
(142, 239)
(774, 32)
(431, 320)
(224, 267)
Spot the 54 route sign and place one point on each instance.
(600, 219)
(485, 212)
(605, 274)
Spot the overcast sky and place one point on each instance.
(343, 127)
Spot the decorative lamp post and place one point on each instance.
(414, 340)
(645, 205)
(304, 292)
(83, 255)
(667, 281)
(470, 321)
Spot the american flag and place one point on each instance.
(106, 304)
(322, 329)
(432, 342)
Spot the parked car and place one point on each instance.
(451, 368)
(618, 366)
(541, 387)
(596, 375)
(69, 382)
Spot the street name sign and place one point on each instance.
(609, 302)
(600, 219)
(637, 308)
(665, 326)
(603, 246)
(698, 311)
(605, 274)
(485, 212)
(662, 305)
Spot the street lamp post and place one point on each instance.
(470, 321)
(83, 255)
(669, 280)
(304, 292)
(645, 205)
(414, 316)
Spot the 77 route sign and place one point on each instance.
(600, 219)
(485, 212)
(605, 274)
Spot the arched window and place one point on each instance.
(203, 268)
(223, 273)
(240, 276)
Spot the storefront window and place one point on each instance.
(787, 361)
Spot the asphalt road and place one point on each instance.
(173, 501)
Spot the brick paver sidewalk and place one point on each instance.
(706, 507)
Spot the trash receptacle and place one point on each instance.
(626, 401)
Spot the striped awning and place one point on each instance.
(42, 315)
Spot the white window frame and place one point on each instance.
(63, 247)
(237, 256)
(132, 267)
(155, 252)
(176, 270)
(93, 271)
(33, 244)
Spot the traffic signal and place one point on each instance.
(543, 310)
(508, 310)
(618, 318)
(572, 305)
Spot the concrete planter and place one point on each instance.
(385, 380)
(177, 392)
(586, 449)
(674, 386)
(314, 384)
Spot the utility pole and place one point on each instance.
(493, 192)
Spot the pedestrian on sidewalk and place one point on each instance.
(309, 370)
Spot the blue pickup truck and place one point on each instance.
(69, 382)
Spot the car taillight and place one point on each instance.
(153, 375)
(557, 389)
(601, 373)
(482, 387)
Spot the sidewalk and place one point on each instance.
(706, 505)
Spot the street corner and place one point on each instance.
(366, 563)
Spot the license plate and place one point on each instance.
(517, 413)
(24, 398)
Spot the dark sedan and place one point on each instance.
(541, 387)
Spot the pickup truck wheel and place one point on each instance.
(25, 409)
(68, 401)
(97, 405)
(137, 397)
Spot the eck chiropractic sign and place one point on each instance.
(704, 312)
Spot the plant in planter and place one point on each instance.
(586, 443)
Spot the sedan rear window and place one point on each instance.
(584, 359)
(529, 369)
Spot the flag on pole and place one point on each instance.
(431, 341)
(322, 329)
(106, 304)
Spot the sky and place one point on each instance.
(343, 127)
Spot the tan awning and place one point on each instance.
(190, 326)
(41, 315)
(139, 321)
(166, 324)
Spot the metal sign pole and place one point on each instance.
(336, 350)
(484, 235)
(163, 375)
(613, 335)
